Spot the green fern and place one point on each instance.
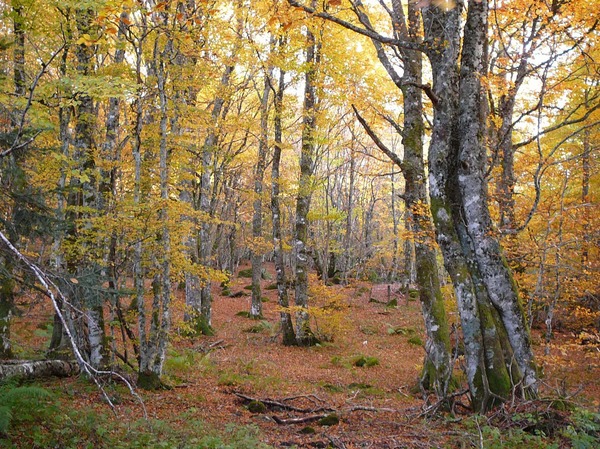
(19, 403)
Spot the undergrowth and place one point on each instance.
(533, 425)
(34, 417)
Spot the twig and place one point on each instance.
(336, 442)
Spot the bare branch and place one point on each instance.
(377, 141)
(364, 31)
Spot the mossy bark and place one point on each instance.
(6, 305)
(304, 336)
(436, 372)
(487, 348)
(285, 319)
(148, 380)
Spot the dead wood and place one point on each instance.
(37, 369)
(270, 403)
(301, 420)
(317, 413)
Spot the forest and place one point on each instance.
(299, 224)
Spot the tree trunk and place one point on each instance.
(287, 329)
(38, 369)
(256, 305)
(7, 283)
(304, 335)
(437, 370)
(85, 194)
(493, 267)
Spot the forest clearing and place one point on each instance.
(284, 223)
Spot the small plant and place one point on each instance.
(415, 340)
(247, 273)
(262, 326)
(365, 361)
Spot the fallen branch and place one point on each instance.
(316, 413)
(300, 420)
(272, 403)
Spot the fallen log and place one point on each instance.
(36, 369)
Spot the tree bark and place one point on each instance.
(287, 328)
(436, 371)
(304, 335)
(493, 267)
(256, 304)
(38, 369)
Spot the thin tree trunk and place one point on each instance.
(256, 305)
(287, 329)
(304, 335)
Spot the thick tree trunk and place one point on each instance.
(455, 190)
(437, 370)
(85, 194)
(37, 369)
(7, 283)
(493, 267)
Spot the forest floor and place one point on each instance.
(378, 406)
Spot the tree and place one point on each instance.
(492, 316)
(304, 335)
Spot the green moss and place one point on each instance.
(365, 361)
(392, 303)
(308, 430)
(331, 388)
(329, 420)
(199, 326)
(415, 340)
(400, 330)
(244, 313)
(256, 407)
(359, 386)
(258, 328)
(149, 381)
(247, 273)
(271, 286)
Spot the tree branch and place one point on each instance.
(427, 89)
(389, 153)
(364, 31)
(17, 145)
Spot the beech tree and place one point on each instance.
(493, 321)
